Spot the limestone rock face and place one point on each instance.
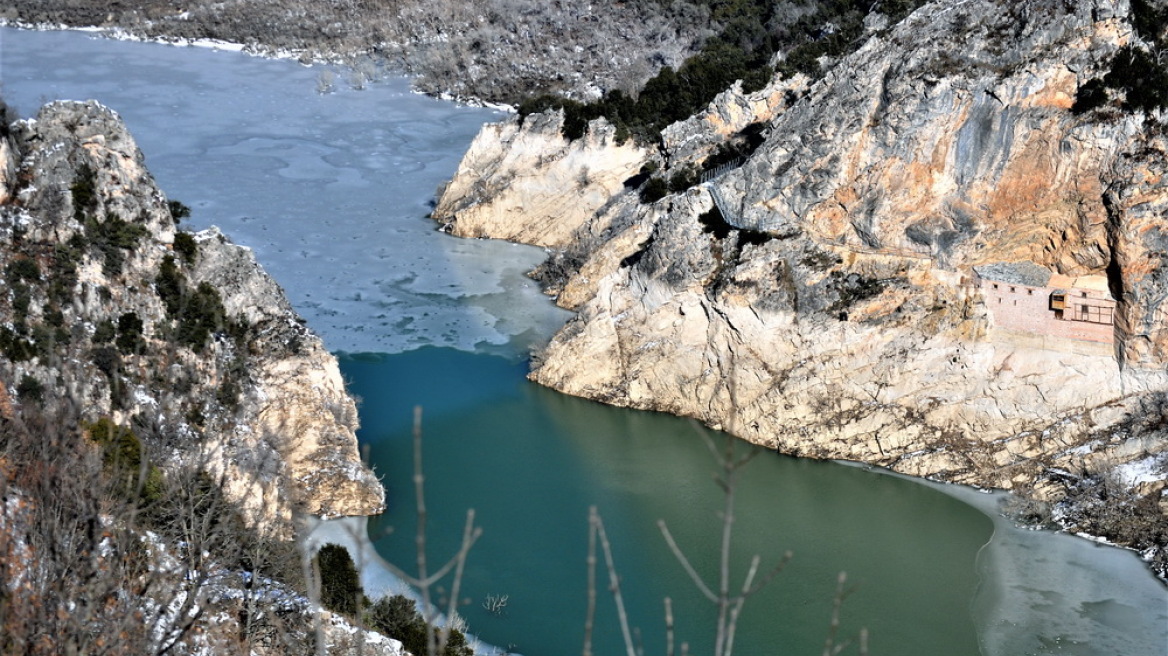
(7, 167)
(182, 337)
(1137, 203)
(528, 183)
(950, 138)
(820, 299)
(732, 111)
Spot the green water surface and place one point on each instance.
(531, 461)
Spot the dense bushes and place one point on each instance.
(668, 97)
(125, 463)
(1137, 78)
(198, 312)
(84, 192)
(340, 587)
(82, 595)
(201, 315)
(178, 210)
(171, 285)
(398, 618)
(30, 389)
(654, 190)
(732, 152)
(186, 246)
(63, 270)
(22, 269)
(14, 346)
(130, 338)
(99, 582)
(112, 238)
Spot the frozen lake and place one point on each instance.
(331, 192)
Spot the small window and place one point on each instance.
(1030, 292)
(995, 285)
(1084, 294)
(1012, 290)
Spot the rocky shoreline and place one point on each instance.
(820, 299)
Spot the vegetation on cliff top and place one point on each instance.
(1137, 78)
(801, 35)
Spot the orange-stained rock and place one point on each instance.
(836, 314)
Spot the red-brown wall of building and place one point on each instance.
(1018, 307)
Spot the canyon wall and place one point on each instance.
(820, 299)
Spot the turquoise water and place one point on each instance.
(531, 462)
(330, 191)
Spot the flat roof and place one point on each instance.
(1015, 273)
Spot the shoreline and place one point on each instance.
(377, 579)
(1011, 598)
(117, 33)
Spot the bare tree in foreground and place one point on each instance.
(729, 602)
(425, 580)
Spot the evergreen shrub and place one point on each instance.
(186, 246)
(340, 587)
(398, 618)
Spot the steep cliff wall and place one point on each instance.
(820, 300)
(512, 181)
(184, 338)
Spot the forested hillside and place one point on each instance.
(511, 50)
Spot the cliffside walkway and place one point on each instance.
(707, 181)
(729, 215)
(719, 171)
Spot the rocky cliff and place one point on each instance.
(820, 299)
(108, 307)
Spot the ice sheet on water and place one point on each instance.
(331, 191)
(1045, 593)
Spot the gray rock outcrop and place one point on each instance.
(183, 338)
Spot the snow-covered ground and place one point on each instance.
(377, 578)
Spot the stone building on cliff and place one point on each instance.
(1026, 297)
